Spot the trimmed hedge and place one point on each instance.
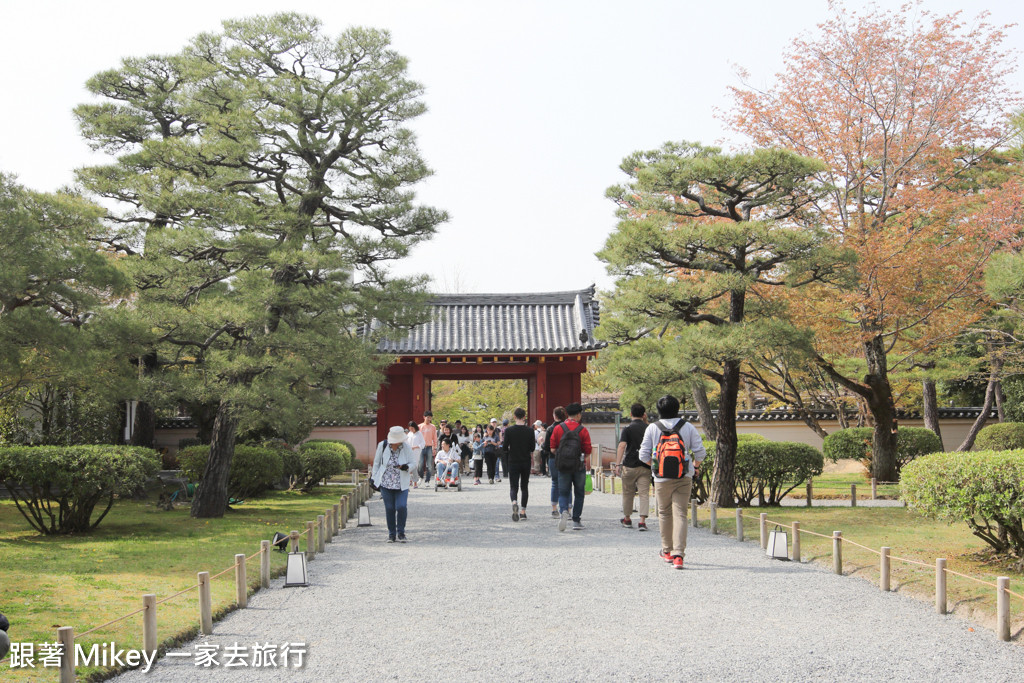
(254, 469)
(984, 489)
(322, 459)
(1005, 436)
(766, 470)
(57, 488)
(855, 444)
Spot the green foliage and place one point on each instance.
(57, 489)
(766, 470)
(1005, 436)
(983, 489)
(476, 401)
(855, 444)
(1013, 388)
(254, 469)
(322, 459)
(276, 158)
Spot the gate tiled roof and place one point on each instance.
(549, 322)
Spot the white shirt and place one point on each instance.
(688, 433)
(416, 442)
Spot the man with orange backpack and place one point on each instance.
(674, 450)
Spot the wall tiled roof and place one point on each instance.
(551, 322)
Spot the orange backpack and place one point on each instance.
(670, 454)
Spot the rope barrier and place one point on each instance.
(190, 588)
(258, 552)
(112, 621)
(894, 557)
(224, 572)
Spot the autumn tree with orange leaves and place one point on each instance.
(899, 105)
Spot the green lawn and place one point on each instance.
(86, 580)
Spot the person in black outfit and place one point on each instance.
(520, 441)
(636, 475)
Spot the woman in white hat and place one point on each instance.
(391, 465)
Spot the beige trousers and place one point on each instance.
(673, 499)
(636, 480)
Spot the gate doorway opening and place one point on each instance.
(477, 401)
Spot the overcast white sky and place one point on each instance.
(532, 104)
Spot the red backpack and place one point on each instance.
(670, 453)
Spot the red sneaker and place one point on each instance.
(666, 556)
(677, 562)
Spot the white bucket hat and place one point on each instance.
(396, 435)
(494, 420)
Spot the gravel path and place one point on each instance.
(475, 596)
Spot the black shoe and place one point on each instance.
(391, 539)
(515, 512)
(402, 538)
(628, 523)
(642, 526)
(522, 514)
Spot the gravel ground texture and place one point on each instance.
(475, 596)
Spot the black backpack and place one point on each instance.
(569, 454)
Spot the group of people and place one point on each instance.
(666, 452)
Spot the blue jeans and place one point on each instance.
(426, 463)
(554, 480)
(571, 487)
(452, 470)
(395, 506)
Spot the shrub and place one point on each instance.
(983, 489)
(320, 460)
(57, 488)
(855, 444)
(702, 485)
(253, 468)
(188, 442)
(766, 470)
(1005, 436)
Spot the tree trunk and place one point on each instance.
(144, 428)
(700, 399)
(972, 434)
(1000, 400)
(931, 407)
(723, 481)
(211, 499)
(203, 415)
(883, 410)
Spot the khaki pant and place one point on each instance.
(673, 499)
(636, 480)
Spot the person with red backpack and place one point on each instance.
(570, 443)
(673, 448)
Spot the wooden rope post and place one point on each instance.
(310, 542)
(763, 523)
(337, 517)
(739, 524)
(884, 570)
(264, 564)
(205, 604)
(149, 641)
(714, 517)
(693, 514)
(241, 583)
(940, 585)
(874, 489)
(853, 495)
(810, 491)
(329, 525)
(294, 535)
(343, 509)
(355, 476)
(796, 541)
(321, 529)
(1003, 608)
(837, 552)
(66, 637)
